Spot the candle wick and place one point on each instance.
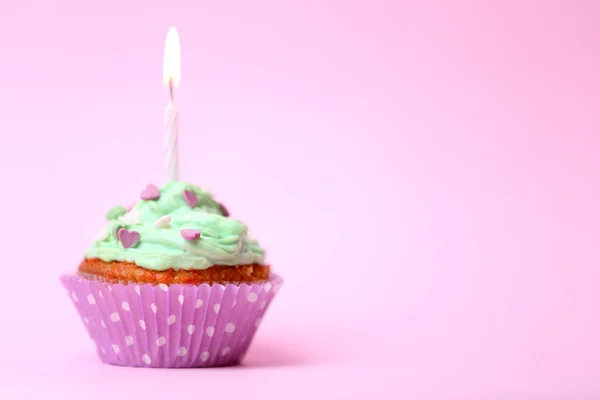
(171, 89)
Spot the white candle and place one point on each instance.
(171, 149)
(171, 78)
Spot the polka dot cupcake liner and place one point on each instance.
(176, 326)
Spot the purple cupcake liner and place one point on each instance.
(176, 326)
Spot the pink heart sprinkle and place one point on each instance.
(190, 234)
(150, 193)
(190, 198)
(128, 238)
(224, 210)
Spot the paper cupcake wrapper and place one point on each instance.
(176, 326)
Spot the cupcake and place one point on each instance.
(172, 282)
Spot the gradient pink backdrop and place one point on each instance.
(424, 175)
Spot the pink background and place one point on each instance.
(424, 175)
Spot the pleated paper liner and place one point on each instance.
(176, 326)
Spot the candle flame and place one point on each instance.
(172, 59)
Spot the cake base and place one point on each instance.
(117, 271)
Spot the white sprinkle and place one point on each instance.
(114, 317)
(171, 319)
(210, 331)
(125, 306)
(146, 359)
(91, 299)
(182, 351)
(199, 303)
(142, 324)
(116, 349)
(161, 341)
(128, 340)
(191, 329)
(163, 222)
(74, 296)
(217, 307)
(204, 355)
(180, 298)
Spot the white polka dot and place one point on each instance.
(252, 297)
(182, 351)
(100, 294)
(153, 308)
(116, 349)
(226, 351)
(191, 329)
(114, 317)
(204, 355)
(103, 324)
(217, 307)
(210, 331)
(146, 359)
(87, 321)
(137, 290)
(257, 322)
(229, 328)
(74, 296)
(128, 340)
(109, 288)
(163, 287)
(199, 303)
(102, 350)
(125, 306)
(171, 320)
(161, 341)
(91, 299)
(263, 304)
(267, 287)
(142, 324)
(180, 299)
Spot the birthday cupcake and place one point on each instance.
(172, 282)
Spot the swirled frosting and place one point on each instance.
(222, 241)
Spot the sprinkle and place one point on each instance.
(101, 235)
(190, 234)
(150, 193)
(131, 218)
(190, 198)
(163, 222)
(128, 238)
(115, 213)
(224, 210)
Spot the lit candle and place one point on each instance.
(171, 78)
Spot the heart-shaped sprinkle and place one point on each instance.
(150, 193)
(190, 198)
(163, 222)
(128, 238)
(190, 234)
(101, 235)
(131, 218)
(224, 210)
(115, 213)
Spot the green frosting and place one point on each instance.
(224, 241)
(115, 212)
